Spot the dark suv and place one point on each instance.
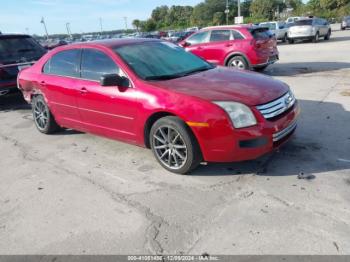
(16, 52)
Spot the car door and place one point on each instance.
(59, 85)
(197, 44)
(106, 110)
(220, 44)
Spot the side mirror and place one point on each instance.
(185, 44)
(114, 80)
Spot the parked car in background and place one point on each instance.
(183, 108)
(312, 28)
(293, 19)
(345, 23)
(178, 36)
(242, 47)
(278, 28)
(16, 52)
(54, 44)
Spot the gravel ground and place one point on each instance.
(74, 193)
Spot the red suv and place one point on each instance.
(242, 47)
(184, 108)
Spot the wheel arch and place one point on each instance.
(233, 54)
(149, 123)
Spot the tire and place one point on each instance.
(183, 150)
(238, 62)
(328, 35)
(342, 28)
(260, 68)
(43, 118)
(291, 41)
(285, 38)
(316, 38)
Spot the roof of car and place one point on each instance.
(227, 27)
(13, 35)
(117, 42)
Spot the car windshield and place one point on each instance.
(15, 49)
(160, 60)
(303, 22)
(271, 26)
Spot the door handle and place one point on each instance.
(229, 45)
(43, 83)
(199, 48)
(83, 90)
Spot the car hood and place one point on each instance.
(224, 84)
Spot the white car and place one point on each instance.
(278, 28)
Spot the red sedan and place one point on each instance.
(152, 93)
(242, 47)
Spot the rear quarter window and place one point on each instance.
(64, 63)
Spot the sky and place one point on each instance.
(24, 16)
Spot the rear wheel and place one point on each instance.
(316, 38)
(342, 28)
(328, 35)
(174, 146)
(43, 118)
(238, 62)
(291, 41)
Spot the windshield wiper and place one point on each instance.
(197, 70)
(168, 77)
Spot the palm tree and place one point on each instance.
(136, 23)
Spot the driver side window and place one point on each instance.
(199, 38)
(95, 64)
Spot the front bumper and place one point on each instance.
(248, 143)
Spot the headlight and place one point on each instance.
(241, 115)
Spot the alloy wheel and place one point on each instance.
(237, 64)
(41, 114)
(170, 147)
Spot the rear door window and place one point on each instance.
(64, 63)
(220, 35)
(95, 64)
(199, 38)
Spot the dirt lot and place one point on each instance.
(74, 193)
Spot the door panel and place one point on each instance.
(109, 111)
(59, 84)
(106, 110)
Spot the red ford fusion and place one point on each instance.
(154, 94)
(242, 47)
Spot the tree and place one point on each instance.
(149, 25)
(219, 18)
(136, 23)
(264, 9)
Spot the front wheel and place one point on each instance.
(328, 35)
(43, 118)
(174, 145)
(316, 38)
(285, 38)
(291, 41)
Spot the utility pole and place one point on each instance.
(227, 11)
(43, 22)
(68, 30)
(126, 22)
(101, 28)
(239, 7)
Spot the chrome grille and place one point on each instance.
(285, 132)
(278, 106)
